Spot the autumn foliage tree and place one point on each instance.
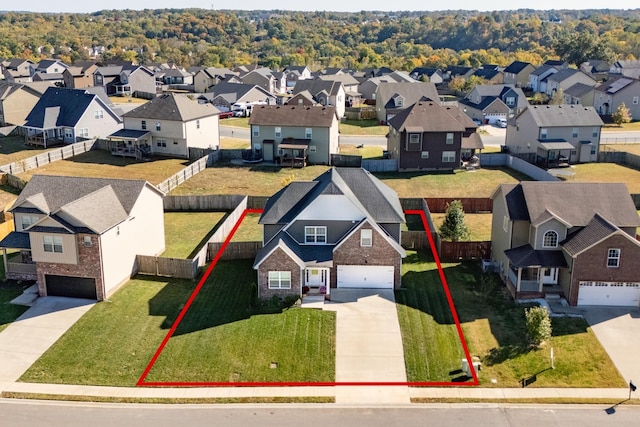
(621, 115)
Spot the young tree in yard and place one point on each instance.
(453, 228)
(621, 115)
(557, 98)
(538, 325)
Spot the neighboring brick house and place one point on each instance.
(548, 134)
(341, 230)
(168, 125)
(517, 74)
(79, 237)
(573, 239)
(65, 116)
(609, 94)
(391, 98)
(294, 134)
(427, 136)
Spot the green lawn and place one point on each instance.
(479, 225)
(184, 232)
(249, 230)
(101, 164)
(494, 329)
(629, 148)
(265, 181)
(362, 127)
(367, 152)
(625, 126)
(607, 172)
(9, 312)
(432, 348)
(220, 341)
(240, 122)
(479, 183)
(234, 143)
(113, 343)
(13, 149)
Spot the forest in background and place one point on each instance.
(399, 40)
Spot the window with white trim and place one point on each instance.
(161, 143)
(68, 133)
(574, 133)
(511, 100)
(613, 258)
(256, 130)
(27, 221)
(312, 148)
(315, 234)
(505, 223)
(278, 132)
(413, 142)
(449, 138)
(83, 132)
(550, 239)
(158, 126)
(366, 237)
(424, 155)
(197, 124)
(279, 280)
(52, 244)
(543, 133)
(99, 114)
(595, 131)
(448, 156)
(143, 124)
(635, 100)
(308, 133)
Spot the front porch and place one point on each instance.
(534, 273)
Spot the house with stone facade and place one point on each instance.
(79, 237)
(573, 239)
(341, 230)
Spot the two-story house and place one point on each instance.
(538, 77)
(204, 79)
(49, 66)
(569, 238)
(225, 94)
(433, 75)
(427, 136)
(565, 78)
(79, 76)
(489, 103)
(328, 93)
(129, 80)
(293, 134)
(79, 237)
(17, 100)
(18, 70)
(517, 74)
(350, 85)
(610, 94)
(261, 77)
(579, 93)
(547, 134)
(65, 116)
(168, 125)
(341, 230)
(391, 98)
(629, 68)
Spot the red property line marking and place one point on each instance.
(142, 383)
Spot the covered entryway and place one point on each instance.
(73, 287)
(621, 294)
(365, 276)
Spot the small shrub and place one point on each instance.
(538, 325)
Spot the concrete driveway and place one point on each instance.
(368, 346)
(26, 339)
(618, 330)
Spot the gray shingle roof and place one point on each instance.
(172, 107)
(97, 203)
(316, 86)
(293, 115)
(564, 115)
(526, 256)
(411, 92)
(578, 90)
(516, 66)
(431, 117)
(597, 229)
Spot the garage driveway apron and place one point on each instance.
(26, 339)
(368, 346)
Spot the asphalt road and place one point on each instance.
(33, 413)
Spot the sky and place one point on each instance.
(329, 5)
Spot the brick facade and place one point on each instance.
(89, 266)
(380, 253)
(591, 265)
(278, 261)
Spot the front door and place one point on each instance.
(314, 277)
(549, 276)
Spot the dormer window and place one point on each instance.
(511, 100)
(550, 239)
(399, 101)
(315, 234)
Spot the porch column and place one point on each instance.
(540, 276)
(4, 258)
(518, 281)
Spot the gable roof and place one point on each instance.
(315, 86)
(575, 203)
(98, 203)
(173, 107)
(566, 73)
(614, 85)
(563, 115)
(235, 91)
(62, 107)
(293, 115)
(431, 117)
(543, 69)
(595, 231)
(411, 92)
(578, 90)
(516, 67)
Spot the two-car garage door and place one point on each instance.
(73, 287)
(365, 276)
(623, 294)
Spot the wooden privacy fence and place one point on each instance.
(469, 204)
(178, 178)
(414, 240)
(202, 203)
(460, 251)
(346, 161)
(50, 156)
(170, 267)
(235, 250)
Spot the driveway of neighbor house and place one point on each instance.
(618, 330)
(26, 339)
(368, 346)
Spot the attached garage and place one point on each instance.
(73, 287)
(622, 294)
(365, 276)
